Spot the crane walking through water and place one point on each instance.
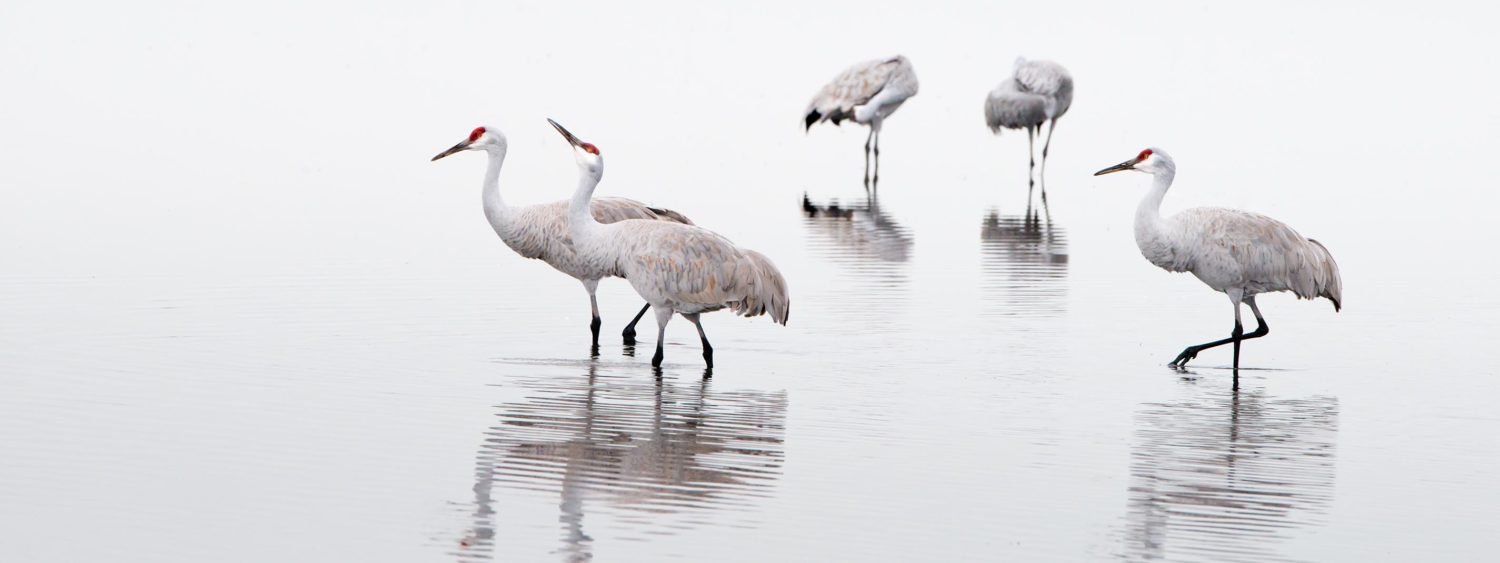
(541, 231)
(866, 93)
(1238, 253)
(1035, 93)
(677, 268)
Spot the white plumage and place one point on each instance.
(676, 267)
(541, 231)
(1235, 252)
(1036, 93)
(866, 93)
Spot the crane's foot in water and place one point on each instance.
(657, 357)
(1183, 358)
(628, 336)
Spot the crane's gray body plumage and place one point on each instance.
(541, 231)
(1229, 249)
(886, 82)
(1034, 93)
(690, 269)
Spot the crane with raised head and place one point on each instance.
(1237, 253)
(541, 231)
(678, 268)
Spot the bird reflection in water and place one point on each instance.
(871, 251)
(1228, 475)
(657, 455)
(1024, 261)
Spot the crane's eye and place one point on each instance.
(1143, 155)
(474, 136)
(590, 148)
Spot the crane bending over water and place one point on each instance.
(541, 231)
(1235, 252)
(677, 268)
(1036, 92)
(866, 93)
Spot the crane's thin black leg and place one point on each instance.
(1052, 126)
(629, 334)
(1031, 155)
(595, 322)
(1237, 336)
(869, 141)
(875, 178)
(663, 315)
(708, 349)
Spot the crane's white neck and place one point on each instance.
(1150, 207)
(580, 220)
(494, 206)
(1151, 233)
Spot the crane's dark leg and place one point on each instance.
(1030, 154)
(708, 350)
(663, 314)
(869, 140)
(875, 178)
(1235, 337)
(1045, 146)
(629, 333)
(595, 322)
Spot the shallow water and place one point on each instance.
(267, 328)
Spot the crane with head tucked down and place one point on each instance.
(541, 231)
(676, 267)
(1234, 252)
(865, 93)
(1036, 93)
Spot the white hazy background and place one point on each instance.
(178, 180)
(272, 135)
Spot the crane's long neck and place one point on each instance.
(494, 206)
(581, 220)
(1150, 228)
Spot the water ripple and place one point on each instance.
(1228, 476)
(654, 454)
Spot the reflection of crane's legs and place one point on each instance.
(591, 286)
(663, 314)
(708, 350)
(1237, 336)
(1045, 146)
(629, 333)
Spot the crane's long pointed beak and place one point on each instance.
(455, 148)
(1127, 165)
(566, 135)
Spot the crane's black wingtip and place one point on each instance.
(812, 117)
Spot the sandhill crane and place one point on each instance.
(1238, 253)
(867, 93)
(1036, 92)
(676, 267)
(541, 231)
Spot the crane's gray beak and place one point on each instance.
(1127, 165)
(455, 148)
(566, 135)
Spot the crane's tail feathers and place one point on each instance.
(1327, 278)
(812, 117)
(669, 215)
(768, 293)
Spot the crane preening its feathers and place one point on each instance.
(1036, 93)
(677, 268)
(1238, 253)
(541, 231)
(865, 93)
